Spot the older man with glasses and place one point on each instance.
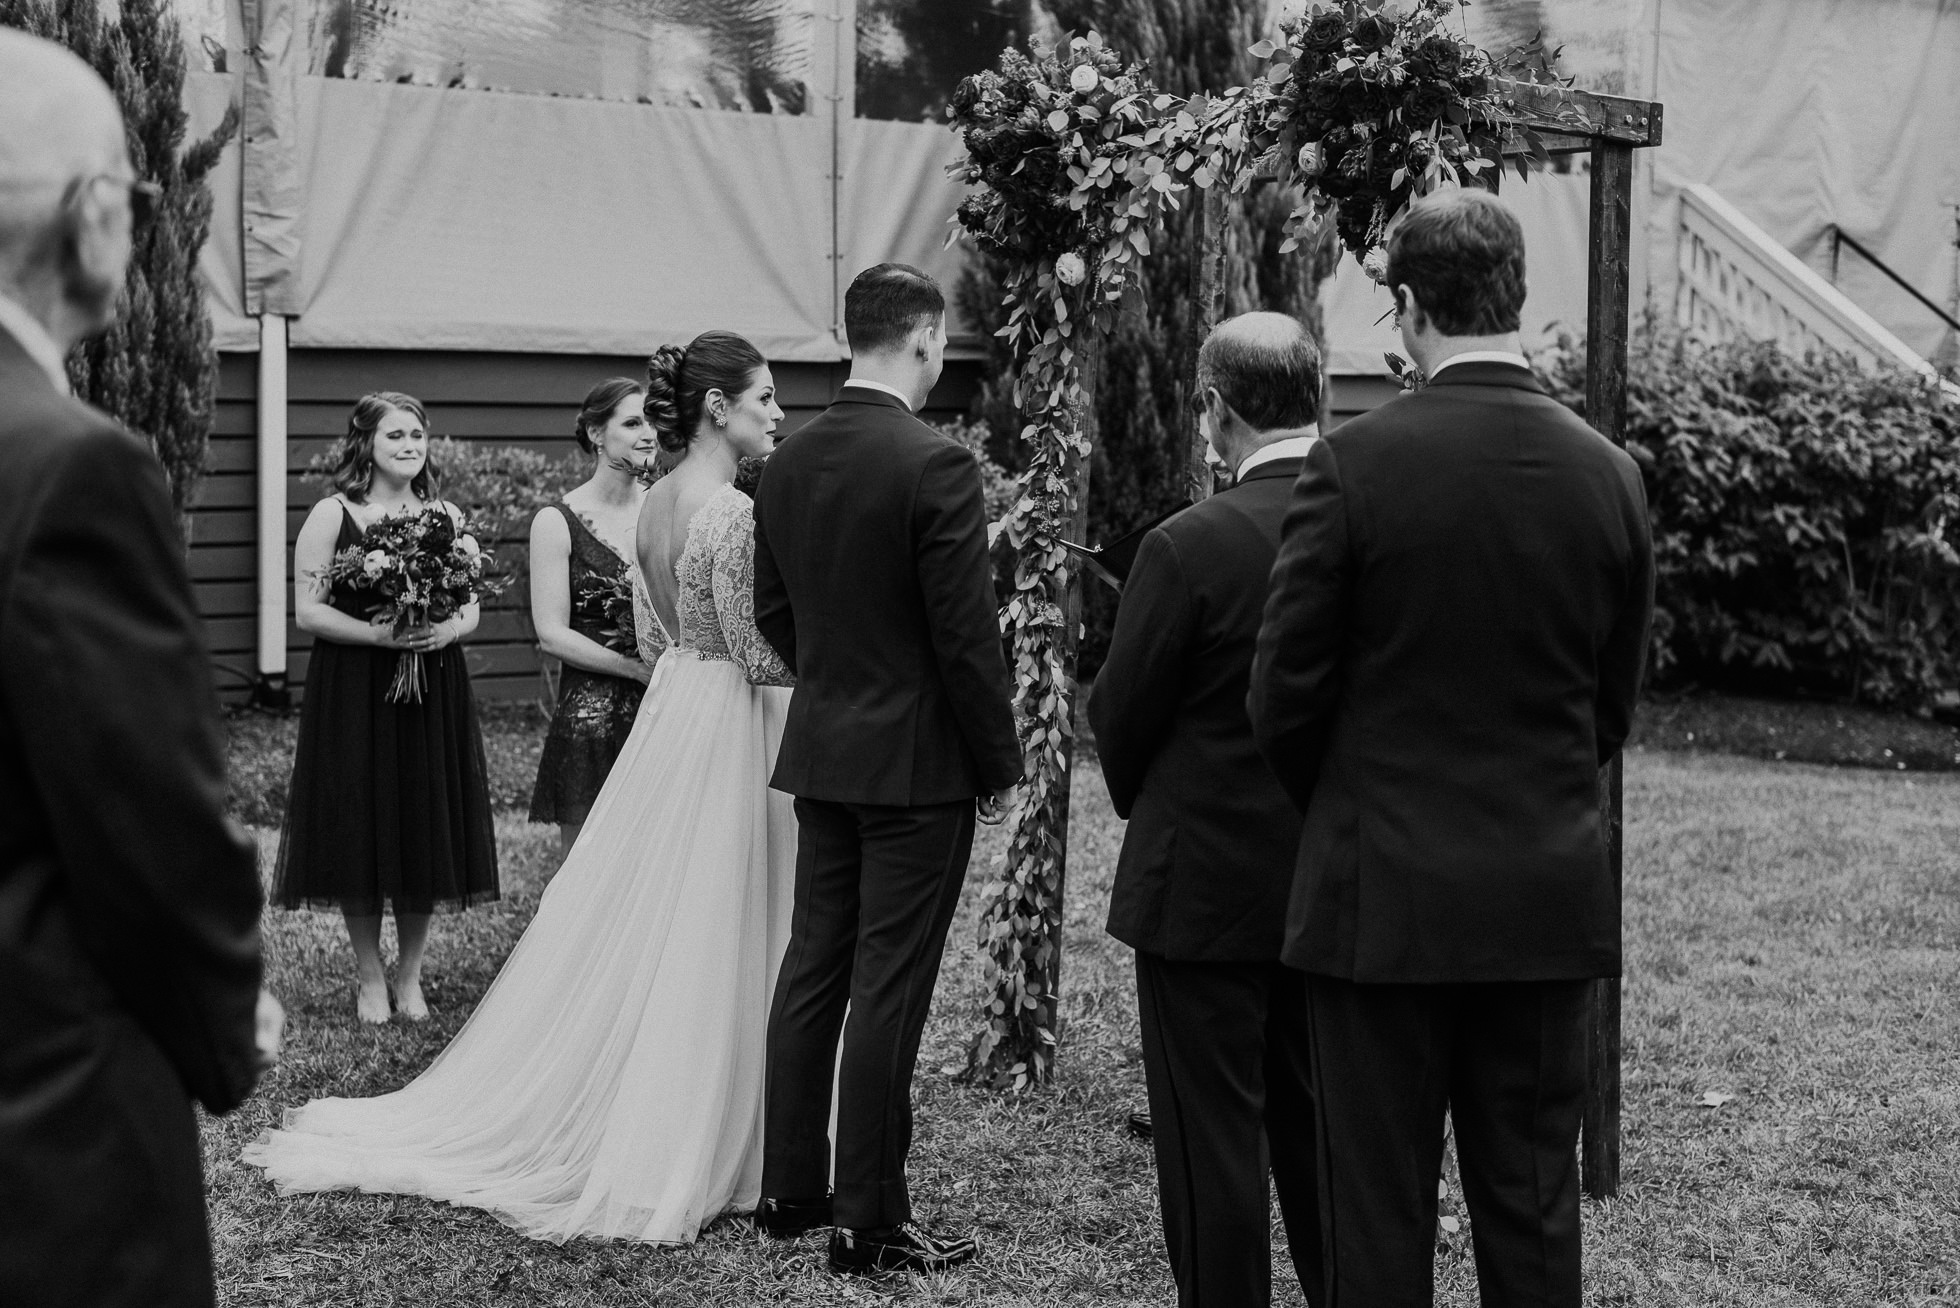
(129, 951)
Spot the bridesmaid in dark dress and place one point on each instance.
(390, 802)
(579, 572)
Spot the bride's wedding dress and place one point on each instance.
(610, 1082)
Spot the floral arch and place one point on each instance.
(1072, 156)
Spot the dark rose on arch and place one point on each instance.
(1326, 34)
(1373, 32)
(1322, 96)
(1437, 57)
(1425, 102)
(965, 96)
(1353, 221)
(1381, 169)
(1473, 85)
(1337, 143)
(1364, 100)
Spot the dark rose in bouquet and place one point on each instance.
(416, 570)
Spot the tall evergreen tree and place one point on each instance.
(1144, 416)
(155, 370)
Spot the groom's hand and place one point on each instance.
(993, 809)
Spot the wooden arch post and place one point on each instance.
(1608, 129)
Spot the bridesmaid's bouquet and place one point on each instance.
(606, 602)
(420, 569)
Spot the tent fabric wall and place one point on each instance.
(477, 220)
(222, 261)
(1809, 113)
(1553, 209)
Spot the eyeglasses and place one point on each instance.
(144, 197)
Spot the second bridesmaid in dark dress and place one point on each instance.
(581, 582)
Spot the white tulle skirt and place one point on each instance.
(610, 1083)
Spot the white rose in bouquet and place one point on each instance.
(1084, 80)
(375, 563)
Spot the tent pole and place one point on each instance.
(269, 687)
(1608, 310)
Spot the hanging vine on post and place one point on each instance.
(1071, 155)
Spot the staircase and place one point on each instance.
(1736, 280)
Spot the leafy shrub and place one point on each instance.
(1805, 516)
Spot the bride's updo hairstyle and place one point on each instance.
(353, 458)
(679, 379)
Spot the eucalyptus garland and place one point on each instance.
(1070, 155)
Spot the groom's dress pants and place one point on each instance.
(1507, 1061)
(876, 888)
(1226, 1064)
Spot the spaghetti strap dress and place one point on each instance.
(390, 803)
(595, 711)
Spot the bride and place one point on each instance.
(610, 1082)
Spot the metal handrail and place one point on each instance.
(1841, 237)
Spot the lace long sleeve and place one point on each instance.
(647, 631)
(731, 552)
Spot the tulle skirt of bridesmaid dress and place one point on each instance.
(610, 1082)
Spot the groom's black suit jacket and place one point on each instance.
(129, 961)
(872, 582)
(1451, 649)
(1207, 860)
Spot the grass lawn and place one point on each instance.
(1793, 940)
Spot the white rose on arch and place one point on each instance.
(1070, 268)
(1084, 80)
(1375, 264)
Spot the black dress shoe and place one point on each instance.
(904, 1248)
(1139, 1125)
(785, 1218)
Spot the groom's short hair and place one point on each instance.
(1462, 252)
(1266, 366)
(886, 304)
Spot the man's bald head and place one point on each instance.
(1266, 367)
(62, 249)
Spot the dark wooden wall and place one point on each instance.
(523, 399)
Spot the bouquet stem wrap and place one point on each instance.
(411, 675)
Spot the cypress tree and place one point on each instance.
(155, 370)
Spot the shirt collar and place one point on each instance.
(1293, 447)
(892, 391)
(1484, 356)
(17, 322)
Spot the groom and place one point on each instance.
(872, 582)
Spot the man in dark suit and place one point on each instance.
(872, 582)
(129, 960)
(1207, 861)
(1451, 651)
